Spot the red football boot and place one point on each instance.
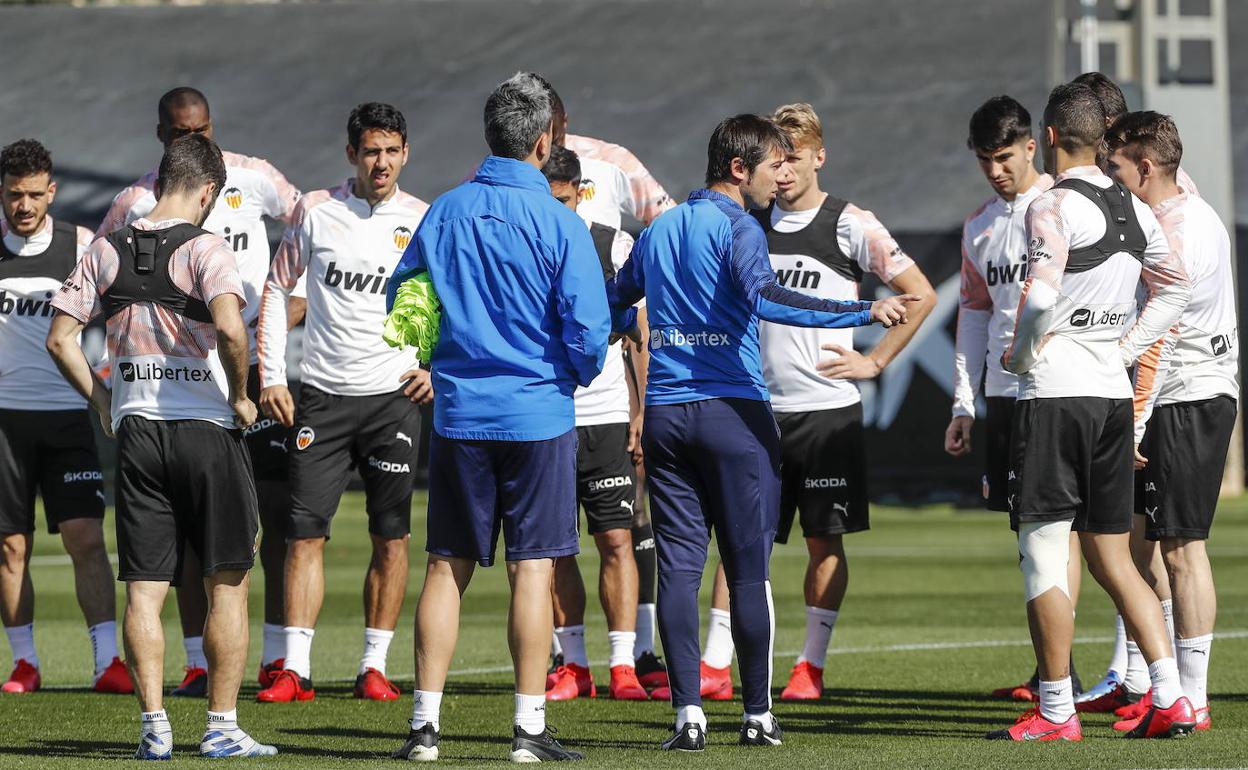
(25, 678)
(716, 683)
(194, 684)
(373, 685)
(1173, 722)
(1033, 727)
(1110, 701)
(552, 673)
(114, 680)
(624, 684)
(287, 687)
(1135, 710)
(1022, 692)
(574, 681)
(805, 682)
(1203, 720)
(651, 671)
(268, 672)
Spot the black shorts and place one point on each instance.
(606, 484)
(52, 453)
(1072, 459)
(332, 435)
(1186, 447)
(823, 472)
(997, 452)
(267, 439)
(180, 484)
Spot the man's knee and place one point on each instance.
(614, 545)
(15, 551)
(82, 538)
(389, 551)
(822, 547)
(1044, 548)
(1183, 556)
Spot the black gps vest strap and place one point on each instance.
(604, 239)
(1122, 227)
(816, 240)
(143, 274)
(56, 262)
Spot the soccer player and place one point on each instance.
(353, 406)
(1195, 386)
(172, 295)
(1073, 448)
(606, 488)
(253, 190)
(614, 183)
(1126, 680)
(46, 441)
(524, 321)
(994, 267)
(822, 246)
(712, 449)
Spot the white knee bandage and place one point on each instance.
(1045, 550)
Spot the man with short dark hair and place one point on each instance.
(253, 190)
(994, 267)
(172, 297)
(1193, 378)
(523, 322)
(353, 409)
(606, 487)
(1091, 244)
(46, 440)
(711, 445)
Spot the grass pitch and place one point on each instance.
(933, 621)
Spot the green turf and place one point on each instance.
(921, 577)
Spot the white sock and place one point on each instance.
(1136, 679)
(299, 650)
(531, 713)
(1167, 614)
(426, 707)
(1118, 663)
(103, 644)
(555, 649)
(22, 642)
(194, 646)
(819, 625)
(156, 719)
(376, 647)
(621, 648)
(1193, 655)
(224, 721)
(645, 630)
(690, 715)
(766, 720)
(572, 640)
(274, 644)
(1167, 687)
(157, 723)
(719, 648)
(1057, 700)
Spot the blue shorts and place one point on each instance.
(713, 465)
(526, 489)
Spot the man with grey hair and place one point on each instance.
(524, 321)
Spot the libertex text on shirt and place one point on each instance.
(704, 271)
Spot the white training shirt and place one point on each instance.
(790, 353)
(1204, 360)
(994, 267)
(605, 400)
(253, 190)
(1071, 337)
(348, 251)
(29, 378)
(614, 182)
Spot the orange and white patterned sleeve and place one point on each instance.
(214, 269)
(648, 199)
(288, 266)
(971, 340)
(868, 242)
(1165, 280)
(118, 215)
(79, 295)
(280, 196)
(1048, 249)
(84, 239)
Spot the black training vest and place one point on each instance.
(1122, 227)
(816, 240)
(604, 239)
(143, 275)
(56, 262)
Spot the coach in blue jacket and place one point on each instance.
(524, 321)
(711, 445)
